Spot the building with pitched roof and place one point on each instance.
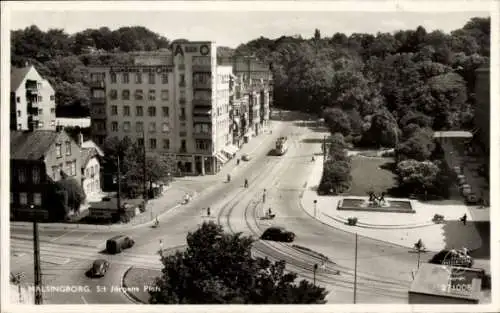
(39, 158)
(91, 170)
(32, 101)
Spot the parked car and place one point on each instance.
(118, 243)
(453, 258)
(278, 234)
(99, 268)
(245, 157)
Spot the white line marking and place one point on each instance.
(81, 238)
(57, 238)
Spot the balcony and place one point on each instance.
(182, 100)
(202, 118)
(182, 117)
(182, 150)
(183, 134)
(98, 100)
(97, 84)
(204, 85)
(202, 103)
(31, 90)
(98, 113)
(202, 68)
(200, 135)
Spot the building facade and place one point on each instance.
(91, 171)
(174, 103)
(32, 101)
(482, 108)
(39, 158)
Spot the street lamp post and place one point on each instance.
(315, 268)
(315, 207)
(264, 196)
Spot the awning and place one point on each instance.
(221, 158)
(230, 150)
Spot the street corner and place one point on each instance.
(137, 283)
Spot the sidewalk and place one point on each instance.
(398, 228)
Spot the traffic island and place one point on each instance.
(137, 282)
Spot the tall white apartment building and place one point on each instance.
(32, 100)
(172, 102)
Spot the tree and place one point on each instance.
(417, 177)
(336, 177)
(383, 131)
(337, 121)
(418, 147)
(218, 268)
(64, 196)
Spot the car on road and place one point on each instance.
(118, 243)
(99, 268)
(245, 157)
(278, 234)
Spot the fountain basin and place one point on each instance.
(393, 206)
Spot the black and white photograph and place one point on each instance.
(249, 153)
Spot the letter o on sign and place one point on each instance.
(204, 50)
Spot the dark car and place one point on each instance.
(118, 243)
(278, 234)
(453, 258)
(99, 268)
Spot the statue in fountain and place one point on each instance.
(376, 201)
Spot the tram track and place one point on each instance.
(294, 258)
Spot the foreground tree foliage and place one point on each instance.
(65, 197)
(218, 268)
(418, 177)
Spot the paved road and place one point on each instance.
(66, 255)
(383, 270)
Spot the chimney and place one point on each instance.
(80, 139)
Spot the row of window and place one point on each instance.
(138, 78)
(23, 198)
(69, 170)
(91, 171)
(138, 95)
(139, 127)
(153, 143)
(139, 111)
(92, 186)
(37, 99)
(59, 149)
(39, 112)
(24, 173)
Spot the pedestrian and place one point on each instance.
(246, 183)
(208, 211)
(464, 219)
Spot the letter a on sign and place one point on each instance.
(178, 50)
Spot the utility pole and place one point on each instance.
(355, 267)
(314, 273)
(38, 271)
(315, 207)
(144, 182)
(118, 199)
(324, 149)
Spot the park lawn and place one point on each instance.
(368, 175)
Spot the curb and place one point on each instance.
(374, 226)
(125, 291)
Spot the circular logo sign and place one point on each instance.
(204, 50)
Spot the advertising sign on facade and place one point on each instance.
(203, 49)
(139, 69)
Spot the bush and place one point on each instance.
(352, 221)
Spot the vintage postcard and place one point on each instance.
(250, 153)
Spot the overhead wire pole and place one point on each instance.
(38, 270)
(355, 266)
(118, 198)
(144, 182)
